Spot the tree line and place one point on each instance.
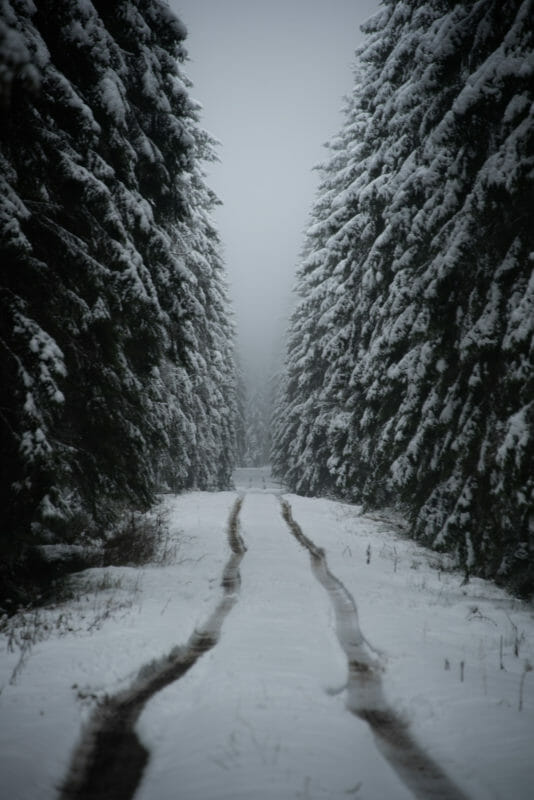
(117, 365)
(409, 375)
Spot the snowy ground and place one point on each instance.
(263, 714)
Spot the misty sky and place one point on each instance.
(271, 77)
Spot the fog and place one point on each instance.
(271, 77)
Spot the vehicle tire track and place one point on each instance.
(109, 761)
(365, 696)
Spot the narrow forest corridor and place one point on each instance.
(349, 613)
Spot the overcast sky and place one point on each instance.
(271, 77)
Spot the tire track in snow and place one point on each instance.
(365, 696)
(109, 761)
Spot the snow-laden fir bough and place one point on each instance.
(409, 376)
(116, 347)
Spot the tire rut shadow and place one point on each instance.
(109, 761)
(365, 696)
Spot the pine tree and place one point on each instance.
(424, 394)
(257, 419)
(117, 348)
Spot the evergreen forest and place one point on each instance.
(117, 346)
(409, 376)
(408, 381)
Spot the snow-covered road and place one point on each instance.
(258, 716)
(264, 709)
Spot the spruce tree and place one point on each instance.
(114, 327)
(257, 419)
(424, 394)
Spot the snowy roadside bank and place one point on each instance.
(141, 616)
(441, 644)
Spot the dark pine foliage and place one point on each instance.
(409, 378)
(116, 350)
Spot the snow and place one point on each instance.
(264, 713)
(114, 633)
(112, 95)
(257, 730)
(517, 436)
(423, 619)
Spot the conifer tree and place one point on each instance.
(257, 419)
(416, 343)
(116, 343)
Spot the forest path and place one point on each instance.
(259, 719)
(276, 671)
(263, 718)
(260, 713)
